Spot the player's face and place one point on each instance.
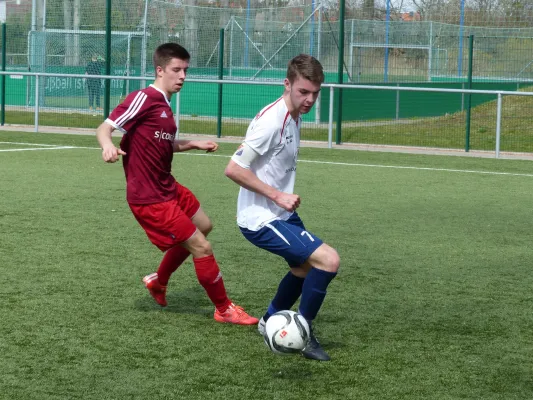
(303, 94)
(173, 75)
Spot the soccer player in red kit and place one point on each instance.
(169, 213)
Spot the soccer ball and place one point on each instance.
(286, 332)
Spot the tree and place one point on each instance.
(40, 15)
(163, 25)
(439, 10)
(191, 29)
(368, 9)
(225, 14)
(71, 19)
(518, 12)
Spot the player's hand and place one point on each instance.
(208, 146)
(288, 201)
(110, 154)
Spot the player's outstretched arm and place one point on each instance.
(248, 180)
(110, 153)
(186, 145)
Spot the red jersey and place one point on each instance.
(146, 120)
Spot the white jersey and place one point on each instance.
(275, 136)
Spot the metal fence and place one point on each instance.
(424, 47)
(500, 121)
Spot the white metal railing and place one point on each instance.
(331, 86)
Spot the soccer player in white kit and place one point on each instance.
(264, 166)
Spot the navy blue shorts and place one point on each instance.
(287, 239)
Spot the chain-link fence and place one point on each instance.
(430, 48)
(425, 45)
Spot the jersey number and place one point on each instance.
(308, 235)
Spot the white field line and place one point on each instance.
(464, 171)
(37, 148)
(40, 146)
(31, 144)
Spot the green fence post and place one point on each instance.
(220, 76)
(338, 125)
(3, 100)
(107, 91)
(469, 95)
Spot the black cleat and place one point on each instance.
(314, 351)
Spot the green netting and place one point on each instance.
(436, 51)
(260, 40)
(258, 44)
(69, 52)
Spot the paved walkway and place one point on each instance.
(304, 143)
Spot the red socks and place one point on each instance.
(172, 259)
(207, 271)
(210, 278)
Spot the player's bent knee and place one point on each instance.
(325, 258)
(198, 246)
(204, 249)
(329, 259)
(334, 261)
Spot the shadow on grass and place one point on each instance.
(185, 301)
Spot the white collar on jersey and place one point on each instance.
(287, 110)
(163, 93)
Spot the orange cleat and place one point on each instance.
(235, 315)
(157, 291)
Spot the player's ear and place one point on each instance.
(158, 71)
(287, 85)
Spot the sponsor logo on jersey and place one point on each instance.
(159, 135)
(164, 114)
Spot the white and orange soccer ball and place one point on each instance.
(286, 332)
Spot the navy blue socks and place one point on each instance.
(314, 292)
(289, 290)
(312, 288)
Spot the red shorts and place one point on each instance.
(168, 224)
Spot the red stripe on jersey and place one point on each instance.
(268, 108)
(283, 126)
(133, 109)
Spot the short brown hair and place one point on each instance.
(166, 52)
(307, 67)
